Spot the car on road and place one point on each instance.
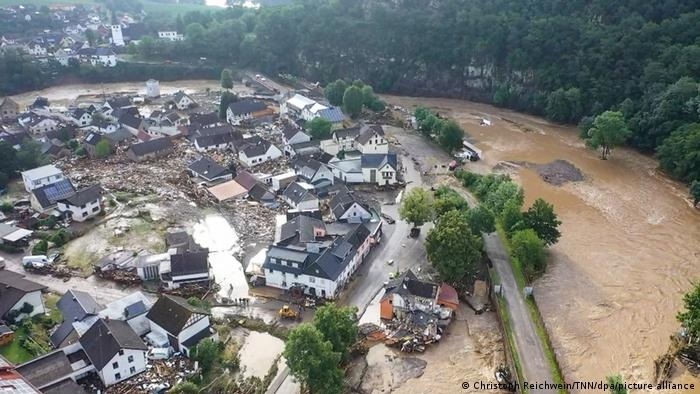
(388, 218)
(390, 262)
(36, 261)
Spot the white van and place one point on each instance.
(160, 353)
(35, 261)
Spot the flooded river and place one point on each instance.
(629, 249)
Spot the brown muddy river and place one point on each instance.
(630, 246)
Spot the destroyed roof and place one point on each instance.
(172, 313)
(260, 193)
(41, 172)
(408, 284)
(379, 160)
(189, 263)
(221, 129)
(202, 120)
(106, 338)
(297, 192)
(208, 140)
(246, 179)
(84, 196)
(119, 102)
(151, 146)
(246, 106)
(52, 146)
(13, 287)
(367, 132)
(93, 139)
(351, 132)
(208, 168)
(119, 135)
(332, 114)
(45, 369)
(301, 229)
(49, 195)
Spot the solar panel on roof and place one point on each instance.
(59, 190)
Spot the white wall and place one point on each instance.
(330, 147)
(379, 177)
(190, 331)
(34, 299)
(311, 205)
(30, 185)
(184, 103)
(298, 138)
(237, 119)
(124, 366)
(272, 153)
(80, 214)
(376, 144)
(355, 214)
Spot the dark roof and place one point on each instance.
(5, 330)
(119, 135)
(130, 120)
(45, 369)
(332, 114)
(76, 304)
(204, 141)
(13, 287)
(255, 146)
(189, 263)
(275, 255)
(333, 260)
(290, 131)
(351, 132)
(246, 179)
(151, 146)
(15, 138)
(221, 129)
(119, 102)
(201, 120)
(208, 168)
(106, 338)
(84, 196)
(179, 96)
(172, 313)
(52, 146)
(93, 139)
(342, 201)
(79, 112)
(300, 230)
(367, 132)
(409, 284)
(378, 160)
(102, 51)
(65, 386)
(260, 193)
(297, 193)
(63, 331)
(48, 195)
(246, 106)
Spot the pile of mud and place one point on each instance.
(557, 172)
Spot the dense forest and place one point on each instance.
(566, 60)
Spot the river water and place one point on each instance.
(629, 248)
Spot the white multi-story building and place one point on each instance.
(170, 36)
(83, 204)
(152, 88)
(41, 176)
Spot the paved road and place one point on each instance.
(529, 346)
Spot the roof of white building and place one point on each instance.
(41, 172)
(300, 102)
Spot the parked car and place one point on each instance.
(388, 218)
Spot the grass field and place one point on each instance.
(17, 354)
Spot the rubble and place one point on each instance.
(160, 374)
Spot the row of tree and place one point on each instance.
(446, 132)
(13, 161)
(353, 97)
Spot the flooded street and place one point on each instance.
(629, 248)
(260, 350)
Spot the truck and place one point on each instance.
(470, 151)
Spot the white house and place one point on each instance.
(292, 135)
(209, 171)
(40, 125)
(348, 170)
(379, 169)
(41, 176)
(300, 196)
(255, 150)
(295, 105)
(176, 323)
(81, 117)
(62, 56)
(246, 109)
(117, 36)
(114, 349)
(170, 36)
(152, 88)
(131, 309)
(346, 208)
(183, 101)
(345, 138)
(35, 48)
(104, 56)
(187, 267)
(15, 291)
(314, 172)
(46, 198)
(83, 204)
(371, 140)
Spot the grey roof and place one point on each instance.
(379, 160)
(41, 172)
(408, 284)
(45, 369)
(297, 193)
(255, 146)
(332, 114)
(189, 263)
(260, 193)
(179, 95)
(351, 132)
(151, 146)
(300, 230)
(127, 307)
(13, 287)
(208, 140)
(246, 179)
(74, 305)
(79, 112)
(208, 168)
(119, 135)
(201, 120)
(196, 338)
(342, 201)
(290, 131)
(246, 106)
(93, 139)
(119, 102)
(335, 259)
(130, 120)
(84, 196)
(49, 195)
(106, 338)
(102, 51)
(306, 148)
(367, 132)
(276, 254)
(172, 313)
(221, 129)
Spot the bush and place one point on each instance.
(81, 151)
(40, 248)
(60, 238)
(49, 222)
(529, 250)
(6, 207)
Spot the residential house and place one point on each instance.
(292, 135)
(314, 172)
(176, 323)
(132, 123)
(281, 181)
(84, 204)
(300, 196)
(380, 169)
(187, 267)
(345, 138)
(155, 148)
(11, 235)
(322, 269)
(347, 170)
(81, 117)
(15, 292)
(104, 56)
(295, 105)
(346, 207)
(40, 124)
(334, 115)
(170, 36)
(118, 136)
(114, 350)
(115, 103)
(246, 179)
(8, 108)
(46, 198)
(36, 48)
(254, 150)
(104, 126)
(309, 148)
(300, 231)
(201, 121)
(407, 293)
(209, 171)
(75, 306)
(174, 118)
(13, 136)
(262, 194)
(41, 176)
(132, 309)
(245, 110)
(228, 191)
(222, 141)
(150, 266)
(54, 148)
(371, 140)
(54, 372)
(90, 143)
(62, 56)
(183, 101)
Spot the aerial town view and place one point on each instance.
(349, 196)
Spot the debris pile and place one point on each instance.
(159, 375)
(127, 277)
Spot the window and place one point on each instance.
(115, 365)
(132, 370)
(117, 376)
(131, 359)
(312, 279)
(85, 214)
(271, 271)
(121, 352)
(95, 209)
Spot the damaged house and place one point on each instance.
(176, 323)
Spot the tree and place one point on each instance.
(497, 198)
(103, 149)
(690, 317)
(447, 199)
(207, 352)
(312, 361)
(185, 387)
(679, 154)
(695, 192)
(40, 248)
(226, 99)
(453, 250)
(417, 207)
(352, 101)
(338, 326)
(481, 220)
(226, 80)
(528, 249)
(319, 128)
(29, 155)
(511, 218)
(609, 130)
(91, 37)
(450, 135)
(541, 218)
(334, 92)
(617, 385)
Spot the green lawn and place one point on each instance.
(17, 354)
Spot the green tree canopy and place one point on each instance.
(452, 248)
(335, 91)
(226, 79)
(481, 220)
(29, 155)
(447, 199)
(450, 136)
(609, 130)
(311, 359)
(695, 192)
(185, 388)
(502, 194)
(417, 207)
(319, 128)
(679, 154)
(226, 99)
(529, 250)
(103, 149)
(207, 352)
(353, 101)
(690, 317)
(541, 218)
(338, 326)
